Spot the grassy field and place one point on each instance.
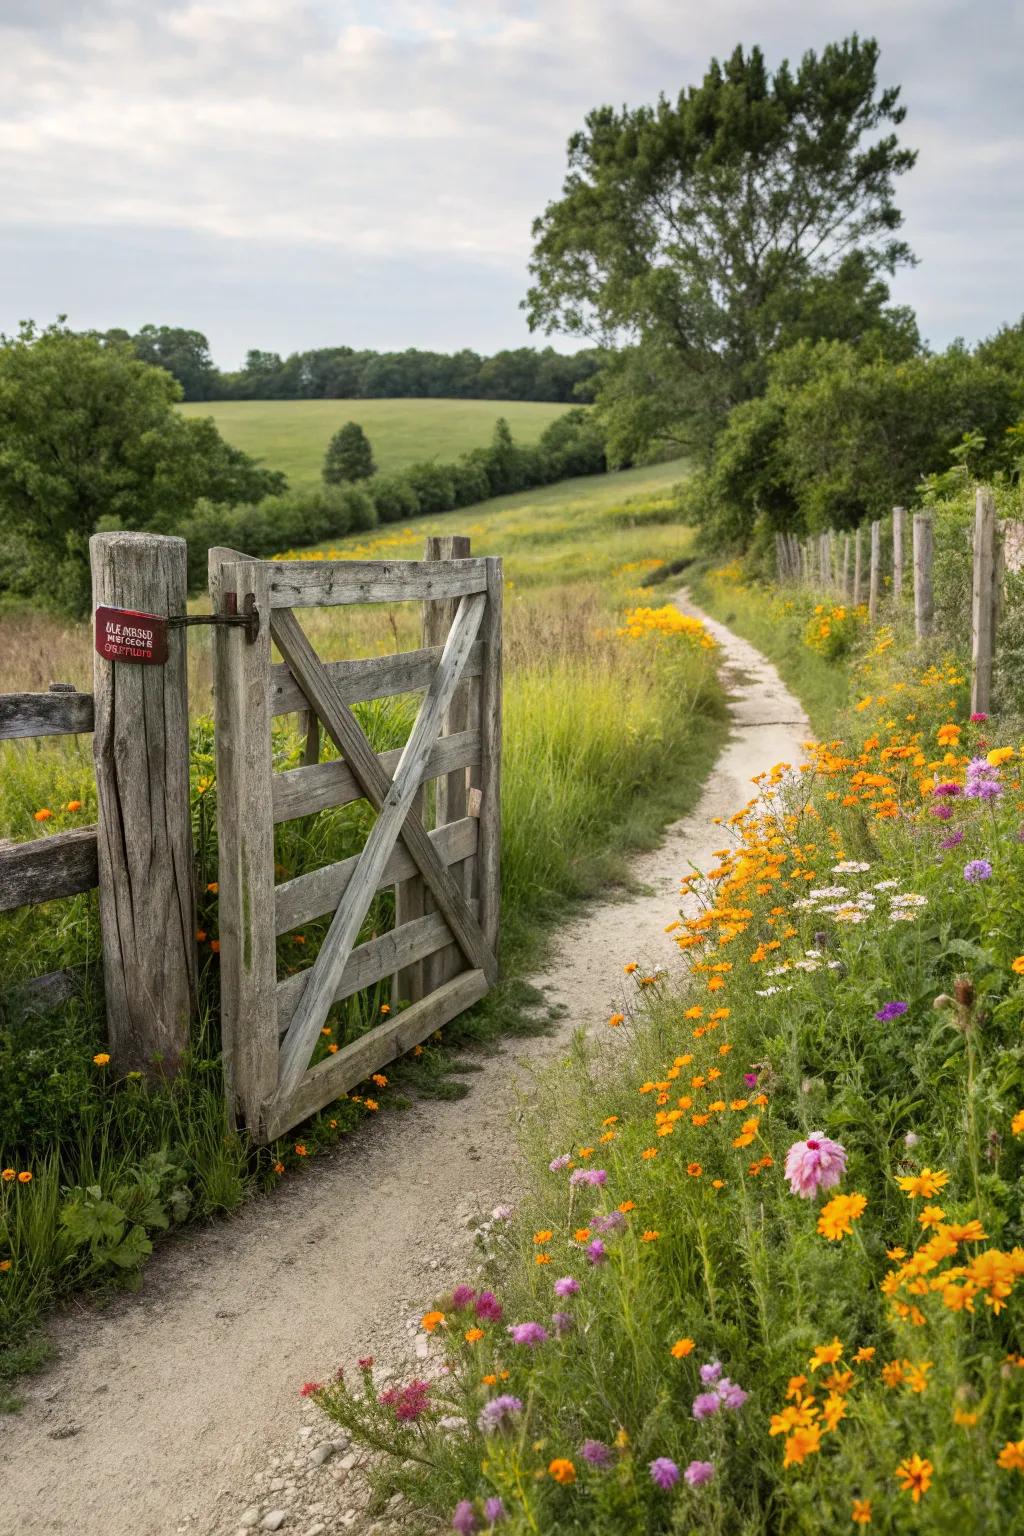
(292, 435)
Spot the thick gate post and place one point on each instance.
(144, 832)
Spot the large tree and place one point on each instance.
(89, 436)
(707, 232)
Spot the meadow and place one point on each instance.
(292, 435)
(767, 1276)
(610, 728)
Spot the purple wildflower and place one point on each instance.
(613, 1222)
(664, 1473)
(558, 1163)
(462, 1296)
(705, 1404)
(947, 789)
(699, 1472)
(891, 1011)
(978, 717)
(711, 1372)
(750, 1078)
(494, 1510)
(814, 1164)
(952, 841)
(596, 1252)
(977, 870)
(596, 1452)
(732, 1396)
(488, 1307)
(588, 1176)
(942, 812)
(562, 1322)
(567, 1286)
(464, 1519)
(493, 1414)
(528, 1333)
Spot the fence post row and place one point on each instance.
(144, 832)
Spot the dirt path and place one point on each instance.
(176, 1410)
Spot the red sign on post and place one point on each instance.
(124, 635)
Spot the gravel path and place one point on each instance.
(174, 1412)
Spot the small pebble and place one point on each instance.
(250, 1517)
(273, 1520)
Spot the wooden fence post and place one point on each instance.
(858, 574)
(982, 588)
(451, 791)
(923, 551)
(875, 573)
(899, 523)
(144, 832)
(845, 579)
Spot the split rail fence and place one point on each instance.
(442, 952)
(850, 564)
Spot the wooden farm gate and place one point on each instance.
(446, 880)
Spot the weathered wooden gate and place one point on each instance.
(271, 1026)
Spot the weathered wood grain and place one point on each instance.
(451, 789)
(45, 714)
(899, 525)
(245, 840)
(44, 993)
(144, 833)
(321, 981)
(489, 856)
(371, 677)
(347, 736)
(875, 574)
(858, 579)
(367, 964)
(301, 791)
(924, 603)
(46, 868)
(329, 1079)
(312, 895)
(982, 600)
(318, 583)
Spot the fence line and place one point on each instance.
(997, 547)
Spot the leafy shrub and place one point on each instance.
(434, 485)
(394, 498)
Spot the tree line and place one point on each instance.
(90, 439)
(346, 373)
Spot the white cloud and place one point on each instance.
(405, 130)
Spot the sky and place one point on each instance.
(286, 174)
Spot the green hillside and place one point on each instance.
(292, 435)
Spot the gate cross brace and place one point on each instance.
(392, 800)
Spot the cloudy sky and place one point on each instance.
(292, 173)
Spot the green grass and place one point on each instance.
(292, 435)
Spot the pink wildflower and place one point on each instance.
(814, 1164)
